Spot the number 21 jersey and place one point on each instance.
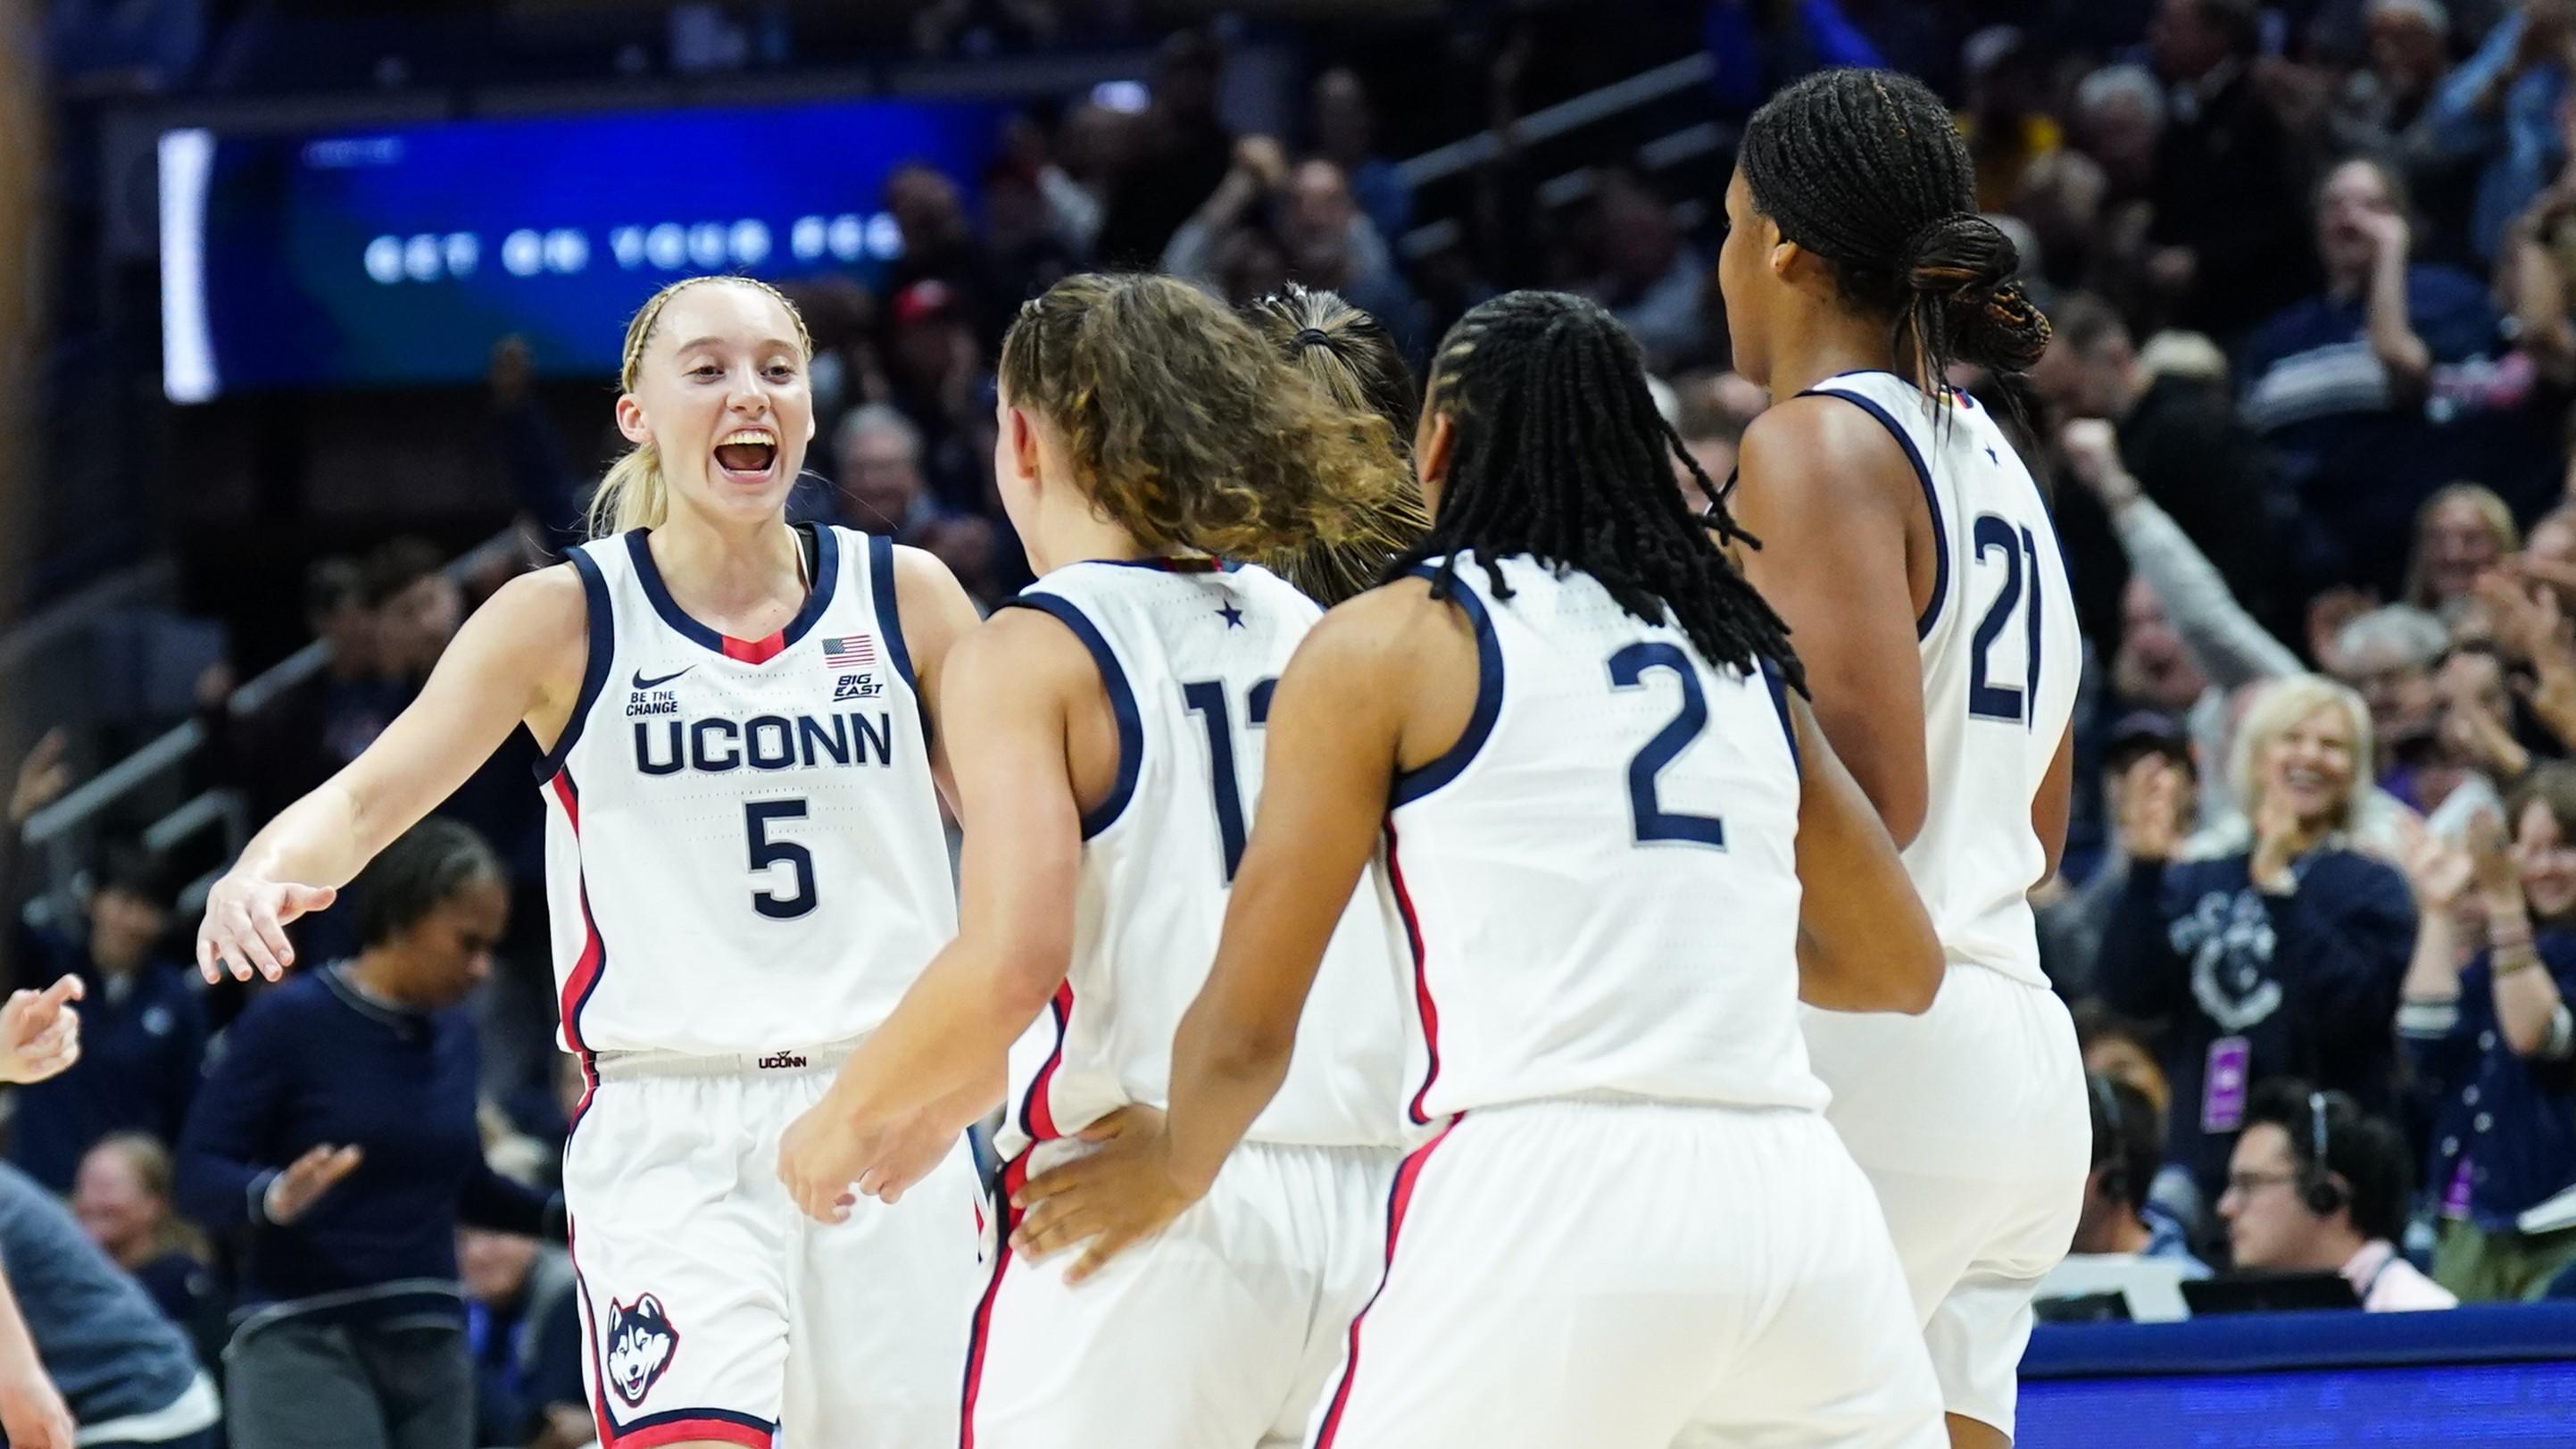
(2000, 660)
(744, 850)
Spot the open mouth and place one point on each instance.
(747, 454)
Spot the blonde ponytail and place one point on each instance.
(633, 494)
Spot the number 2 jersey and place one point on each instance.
(1599, 882)
(2000, 663)
(744, 851)
(1188, 651)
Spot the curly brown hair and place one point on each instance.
(1189, 431)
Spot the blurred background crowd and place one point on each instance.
(2306, 422)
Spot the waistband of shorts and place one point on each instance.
(785, 1062)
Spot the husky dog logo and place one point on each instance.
(641, 1341)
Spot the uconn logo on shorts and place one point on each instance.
(641, 1342)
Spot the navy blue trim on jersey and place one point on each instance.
(889, 619)
(594, 665)
(1780, 702)
(1122, 703)
(1931, 614)
(827, 578)
(1412, 785)
(1165, 563)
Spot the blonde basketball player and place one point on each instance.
(746, 870)
(1913, 556)
(1576, 731)
(1108, 746)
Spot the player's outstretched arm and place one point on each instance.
(939, 1062)
(518, 658)
(1374, 686)
(1826, 489)
(936, 614)
(1864, 940)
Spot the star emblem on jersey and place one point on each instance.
(1233, 616)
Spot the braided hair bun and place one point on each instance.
(1965, 265)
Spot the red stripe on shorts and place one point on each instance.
(1398, 1199)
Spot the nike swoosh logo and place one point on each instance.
(642, 683)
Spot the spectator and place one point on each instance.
(1091, 149)
(338, 1133)
(940, 381)
(2119, 1050)
(2071, 924)
(1182, 151)
(2500, 111)
(302, 735)
(122, 1200)
(2004, 122)
(2282, 957)
(417, 607)
(2387, 657)
(145, 1027)
(939, 246)
(2178, 438)
(1345, 133)
(2120, 122)
(1024, 251)
(2225, 231)
(2463, 531)
(2343, 383)
(2408, 52)
(2490, 1040)
(881, 489)
(1332, 247)
(2128, 1145)
(1650, 278)
(125, 1373)
(524, 1326)
(2315, 1185)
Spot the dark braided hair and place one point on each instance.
(1865, 169)
(1558, 453)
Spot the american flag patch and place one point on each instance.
(850, 653)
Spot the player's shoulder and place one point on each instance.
(1039, 641)
(1389, 631)
(1828, 447)
(538, 614)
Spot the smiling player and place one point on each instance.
(746, 869)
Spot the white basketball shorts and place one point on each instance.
(1633, 1275)
(1972, 1123)
(716, 1311)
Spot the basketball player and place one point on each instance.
(1108, 747)
(1634, 1228)
(747, 869)
(1914, 560)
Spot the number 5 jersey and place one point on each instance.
(744, 850)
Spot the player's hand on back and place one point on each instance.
(40, 1032)
(245, 924)
(1106, 1201)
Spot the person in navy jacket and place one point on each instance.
(2279, 960)
(2491, 1042)
(337, 1135)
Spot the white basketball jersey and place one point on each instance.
(1188, 651)
(2000, 665)
(743, 847)
(1600, 881)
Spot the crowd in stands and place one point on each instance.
(2305, 422)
